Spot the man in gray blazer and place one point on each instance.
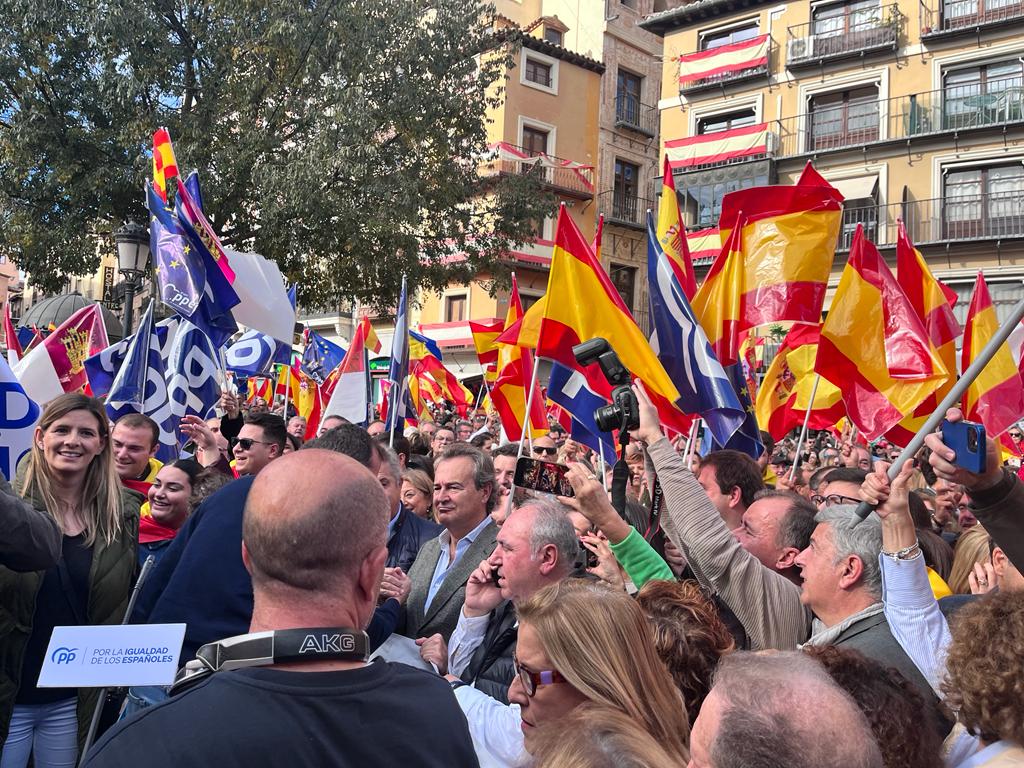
(464, 494)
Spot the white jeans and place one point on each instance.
(47, 731)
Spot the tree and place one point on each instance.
(342, 138)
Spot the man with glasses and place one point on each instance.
(260, 441)
(544, 448)
(840, 486)
(443, 437)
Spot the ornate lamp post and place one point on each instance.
(132, 261)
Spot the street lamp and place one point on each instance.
(132, 261)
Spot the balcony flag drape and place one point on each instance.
(724, 60)
(719, 147)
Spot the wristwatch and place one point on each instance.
(457, 683)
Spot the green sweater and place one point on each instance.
(639, 560)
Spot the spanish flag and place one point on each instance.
(718, 302)
(874, 347)
(165, 166)
(933, 302)
(515, 373)
(581, 304)
(525, 331)
(788, 243)
(485, 336)
(784, 396)
(424, 362)
(672, 234)
(996, 397)
(596, 245)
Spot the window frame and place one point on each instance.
(540, 58)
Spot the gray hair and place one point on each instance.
(390, 460)
(551, 526)
(483, 467)
(782, 710)
(864, 541)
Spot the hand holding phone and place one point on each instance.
(542, 477)
(967, 440)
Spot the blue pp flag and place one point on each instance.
(568, 388)
(254, 354)
(321, 356)
(682, 347)
(747, 439)
(18, 417)
(140, 386)
(102, 367)
(192, 376)
(400, 405)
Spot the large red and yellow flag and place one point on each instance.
(718, 302)
(784, 396)
(672, 233)
(996, 396)
(512, 387)
(582, 304)
(165, 166)
(423, 362)
(874, 347)
(788, 242)
(485, 337)
(933, 302)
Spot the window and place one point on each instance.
(624, 195)
(624, 280)
(628, 3)
(859, 207)
(455, 308)
(553, 35)
(535, 141)
(962, 13)
(538, 72)
(628, 88)
(842, 19)
(844, 118)
(983, 95)
(528, 299)
(984, 202)
(710, 40)
(726, 122)
(701, 193)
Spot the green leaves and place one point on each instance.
(338, 137)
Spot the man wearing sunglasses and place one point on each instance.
(260, 441)
(544, 449)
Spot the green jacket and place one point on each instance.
(110, 584)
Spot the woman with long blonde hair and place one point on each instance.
(70, 475)
(972, 548)
(582, 642)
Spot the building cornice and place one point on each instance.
(694, 13)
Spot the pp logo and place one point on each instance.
(63, 655)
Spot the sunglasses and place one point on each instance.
(531, 680)
(539, 449)
(1015, 435)
(246, 443)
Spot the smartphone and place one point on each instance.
(495, 576)
(967, 439)
(542, 476)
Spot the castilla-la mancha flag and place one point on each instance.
(874, 347)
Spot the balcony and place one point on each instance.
(634, 115)
(965, 218)
(956, 17)
(623, 209)
(564, 177)
(853, 35)
(710, 150)
(720, 67)
(951, 110)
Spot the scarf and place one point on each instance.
(822, 635)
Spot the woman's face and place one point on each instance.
(549, 703)
(168, 497)
(415, 500)
(71, 442)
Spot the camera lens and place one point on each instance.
(972, 439)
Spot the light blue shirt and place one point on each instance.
(443, 566)
(988, 753)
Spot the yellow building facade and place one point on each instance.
(914, 109)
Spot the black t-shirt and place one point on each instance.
(54, 608)
(384, 714)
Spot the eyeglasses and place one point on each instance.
(531, 680)
(833, 499)
(246, 443)
(1015, 435)
(539, 449)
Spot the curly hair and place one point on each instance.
(689, 636)
(891, 704)
(984, 682)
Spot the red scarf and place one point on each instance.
(150, 530)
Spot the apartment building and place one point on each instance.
(914, 109)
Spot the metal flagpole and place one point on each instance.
(600, 462)
(803, 432)
(952, 397)
(394, 410)
(527, 425)
(689, 442)
(693, 442)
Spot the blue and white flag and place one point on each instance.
(140, 386)
(568, 388)
(320, 357)
(192, 377)
(254, 354)
(103, 367)
(18, 417)
(682, 347)
(400, 404)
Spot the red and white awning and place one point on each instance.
(719, 147)
(504, 151)
(720, 62)
(704, 245)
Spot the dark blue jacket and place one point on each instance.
(202, 582)
(411, 532)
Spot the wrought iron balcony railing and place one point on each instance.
(853, 34)
(951, 17)
(631, 113)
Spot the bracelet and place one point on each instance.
(903, 554)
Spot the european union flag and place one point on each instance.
(569, 389)
(321, 356)
(682, 347)
(180, 277)
(746, 439)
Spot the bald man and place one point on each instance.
(316, 552)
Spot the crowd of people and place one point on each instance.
(733, 613)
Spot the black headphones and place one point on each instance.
(283, 646)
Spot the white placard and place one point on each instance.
(112, 656)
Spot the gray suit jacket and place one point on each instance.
(443, 614)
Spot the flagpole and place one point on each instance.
(952, 397)
(689, 442)
(601, 464)
(803, 432)
(287, 388)
(693, 442)
(528, 425)
(394, 410)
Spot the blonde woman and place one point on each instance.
(70, 475)
(418, 493)
(582, 642)
(972, 548)
(595, 736)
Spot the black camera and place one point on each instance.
(624, 411)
